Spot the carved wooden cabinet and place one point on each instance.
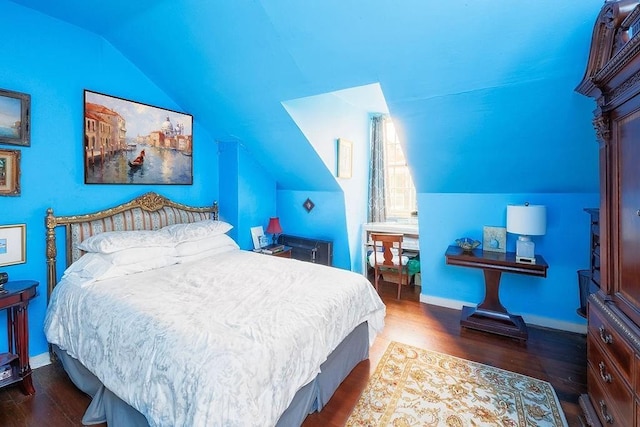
(612, 78)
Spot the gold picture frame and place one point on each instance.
(345, 158)
(9, 172)
(13, 244)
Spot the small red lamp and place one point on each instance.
(274, 228)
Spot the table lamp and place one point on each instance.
(526, 221)
(274, 228)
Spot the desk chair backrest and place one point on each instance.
(385, 260)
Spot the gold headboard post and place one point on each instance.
(50, 224)
(147, 212)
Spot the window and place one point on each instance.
(400, 191)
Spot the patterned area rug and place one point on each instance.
(416, 387)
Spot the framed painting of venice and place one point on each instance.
(15, 118)
(127, 142)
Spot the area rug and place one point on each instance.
(416, 387)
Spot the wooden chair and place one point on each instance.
(383, 261)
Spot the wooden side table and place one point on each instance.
(14, 365)
(490, 315)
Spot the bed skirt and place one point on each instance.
(107, 407)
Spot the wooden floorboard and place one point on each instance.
(550, 355)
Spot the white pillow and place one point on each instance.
(196, 230)
(210, 242)
(150, 264)
(136, 255)
(207, 253)
(113, 241)
(98, 266)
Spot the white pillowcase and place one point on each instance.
(113, 241)
(196, 230)
(210, 242)
(207, 253)
(98, 266)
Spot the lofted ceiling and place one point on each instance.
(472, 85)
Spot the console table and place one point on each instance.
(14, 365)
(490, 315)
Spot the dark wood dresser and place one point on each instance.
(612, 78)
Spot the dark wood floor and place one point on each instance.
(557, 357)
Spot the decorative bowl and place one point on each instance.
(467, 243)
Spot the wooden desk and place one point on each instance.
(490, 315)
(15, 301)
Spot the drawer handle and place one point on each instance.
(606, 377)
(605, 415)
(607, 339)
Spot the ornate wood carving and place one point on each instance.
(602, 125)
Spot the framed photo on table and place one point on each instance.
(494, 239)
(12, 244)
(15, 118)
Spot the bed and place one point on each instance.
(162, 324)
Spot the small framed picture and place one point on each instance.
(494, 239)
(9, 172)
(15, 118)
(258, 237)
(345, 158)
(12, 244)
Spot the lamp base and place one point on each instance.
(525, 250)
(525, 260)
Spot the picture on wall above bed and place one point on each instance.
(128, 142)
(14, 118)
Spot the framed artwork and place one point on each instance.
(15, 118)
(9, 173)
(494, 239)
(258, 237)
(127, 142)
(12, 244)
(345, 160)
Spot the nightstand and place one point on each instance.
(14, 365)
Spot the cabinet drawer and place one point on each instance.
(613, 403)
(612, 343)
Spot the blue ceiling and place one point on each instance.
(481, 92)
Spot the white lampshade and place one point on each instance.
(527, 220)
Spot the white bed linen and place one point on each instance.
(223, 341)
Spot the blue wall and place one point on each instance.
(551, 301)
(506, 103)
(54, 62)
(325, 222)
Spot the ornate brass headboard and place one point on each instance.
(150, 211)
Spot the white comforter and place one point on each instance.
(224, 341)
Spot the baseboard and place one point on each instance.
(39, 360)
(530, 319)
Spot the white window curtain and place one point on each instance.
(377, 211)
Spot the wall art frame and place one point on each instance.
(345, 158)
(15, 118)
(494, 239)
(129, 142)
(13, 244)
(9, 172)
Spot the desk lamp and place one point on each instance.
(274, 228)
(526, 221)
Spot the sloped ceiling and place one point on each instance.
(475, 87)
